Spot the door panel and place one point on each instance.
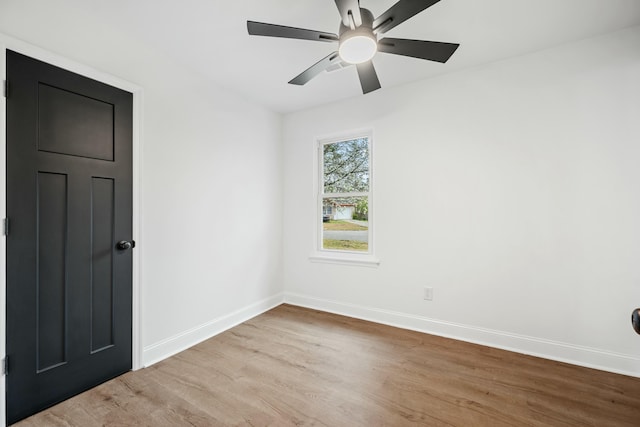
(66, 120)
(50, 265)
(102, 215)
(69, 200)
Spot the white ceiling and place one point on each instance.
(210, 37)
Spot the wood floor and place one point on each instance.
(293, 366)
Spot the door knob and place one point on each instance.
(635, 320)
(123, 245)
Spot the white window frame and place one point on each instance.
(336, 256)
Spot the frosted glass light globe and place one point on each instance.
(358, 48)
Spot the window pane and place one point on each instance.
(346, 228)
(346, 166)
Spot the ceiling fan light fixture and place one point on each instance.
(357, 47)
(358, 40)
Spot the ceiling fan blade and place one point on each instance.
(368, 77)
(272, 30)
(400, 12)
(349, 6)
(432, 51)
(314, 70)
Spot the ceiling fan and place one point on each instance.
(358, 40)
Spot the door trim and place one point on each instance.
(7, 42)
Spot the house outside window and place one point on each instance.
(344, 195)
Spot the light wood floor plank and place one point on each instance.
(293, 366)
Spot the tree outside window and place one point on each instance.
(345, 194)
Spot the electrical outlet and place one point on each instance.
(428, 294)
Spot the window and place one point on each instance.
(344, 195)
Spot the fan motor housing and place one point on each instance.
(367, 23)
(359, 44)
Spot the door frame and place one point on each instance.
(7, 42)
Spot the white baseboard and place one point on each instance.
(553, 350)
(562, 352)
(168, 347)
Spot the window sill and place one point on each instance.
(345, 259)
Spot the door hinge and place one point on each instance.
(5, 365)
(5, 88)
(5, 226)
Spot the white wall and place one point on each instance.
(520, 181)
(215, 154)
(205, 150)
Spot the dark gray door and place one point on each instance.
(69, 201)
